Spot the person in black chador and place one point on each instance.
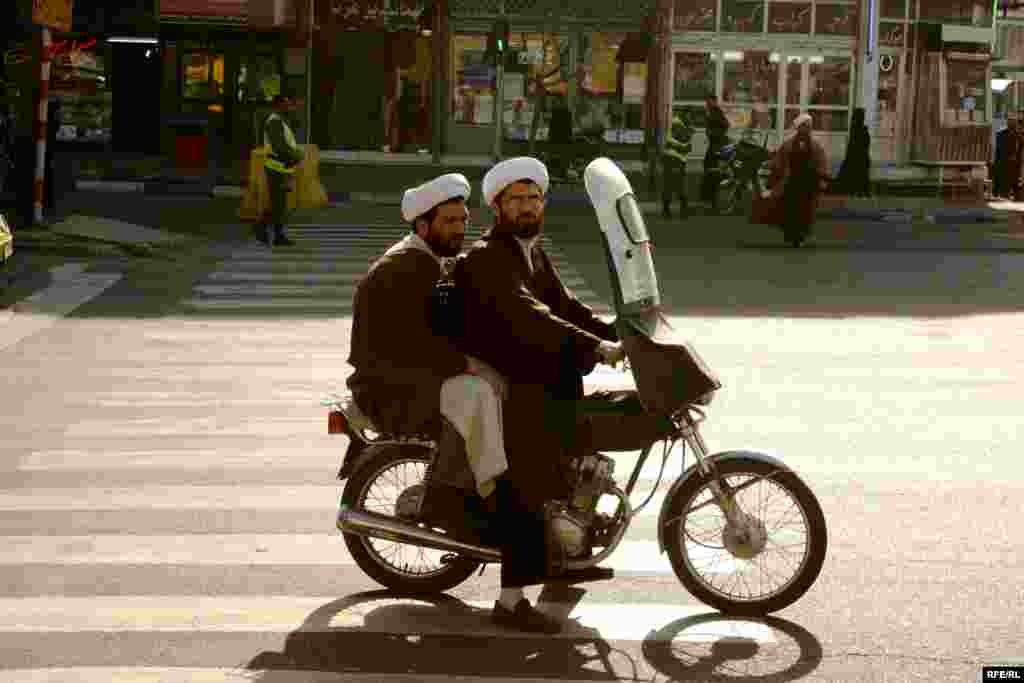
(855, 173)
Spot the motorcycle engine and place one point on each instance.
(571, 531)
(594, 475)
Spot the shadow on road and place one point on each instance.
(383, 633)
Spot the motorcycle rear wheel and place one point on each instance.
(686, 540)
(388, 562)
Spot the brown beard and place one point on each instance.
(442, 248)
(518, 228)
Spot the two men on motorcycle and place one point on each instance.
(519, 315)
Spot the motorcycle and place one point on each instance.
(741, 167)
(721, 540)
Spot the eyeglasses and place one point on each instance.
(531, 199)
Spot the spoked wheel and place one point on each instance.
(393, 483)
(767, 563)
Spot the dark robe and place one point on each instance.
(542, 339)
(855, 173)
(530, 328)
(1000, 165)
(796, 180)
(400, 363)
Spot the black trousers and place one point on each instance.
(520, 534)
(674, 183)
(278, 183)
(709, 182)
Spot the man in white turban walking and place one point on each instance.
(799, 175)
(523, 321)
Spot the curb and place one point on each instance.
(558, 199)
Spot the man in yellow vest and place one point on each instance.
(283, 154)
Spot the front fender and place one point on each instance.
(693, 470)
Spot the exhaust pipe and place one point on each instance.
(374, 525)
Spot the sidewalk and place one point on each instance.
(138, 225)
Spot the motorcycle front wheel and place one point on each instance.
(393, 483)
(762, 567)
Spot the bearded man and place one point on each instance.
(400, 362)
(522, 320)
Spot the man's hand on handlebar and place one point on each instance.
(610, 353)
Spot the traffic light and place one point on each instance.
(499, 36)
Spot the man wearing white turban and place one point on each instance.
(799, 175)
(400, 361)
(531, 329)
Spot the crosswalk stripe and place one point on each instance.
(155, 497)
(635, 557)
(262, 290)
(70, 289)
(285, 613)
(321, 273)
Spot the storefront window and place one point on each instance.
(789, 17)
(473, 80)
(968, 12)
(794, 77)
(694, 76)
(750, 88)
(894, 9)
(259, 79)
(829, 81)
(1010, 44)
(202, 76)
(965, 92)
(743, 16)
(79, 77)
(835, 20)
(750, 77)
(694, 15)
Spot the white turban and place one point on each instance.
(802, 119)
(513, 170)
(419, 200)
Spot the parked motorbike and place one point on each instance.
(742, 531)
(740, 168)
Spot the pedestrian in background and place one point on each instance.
(282, 156)
(1014, 159)
(673, 160)
(799, 174)
(855, 173)
(52, 184)
(716, 128)
(1001, 161)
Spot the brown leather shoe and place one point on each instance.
(525, 617)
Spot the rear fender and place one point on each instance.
(360, 453)
(694, 471)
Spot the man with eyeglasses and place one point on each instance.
(522, 320)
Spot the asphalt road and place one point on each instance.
(167, 501)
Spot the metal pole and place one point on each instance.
(499, 96)
(309, 74)
(41, 118)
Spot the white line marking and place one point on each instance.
(339, 307)
(71, 288)
(275, 289)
